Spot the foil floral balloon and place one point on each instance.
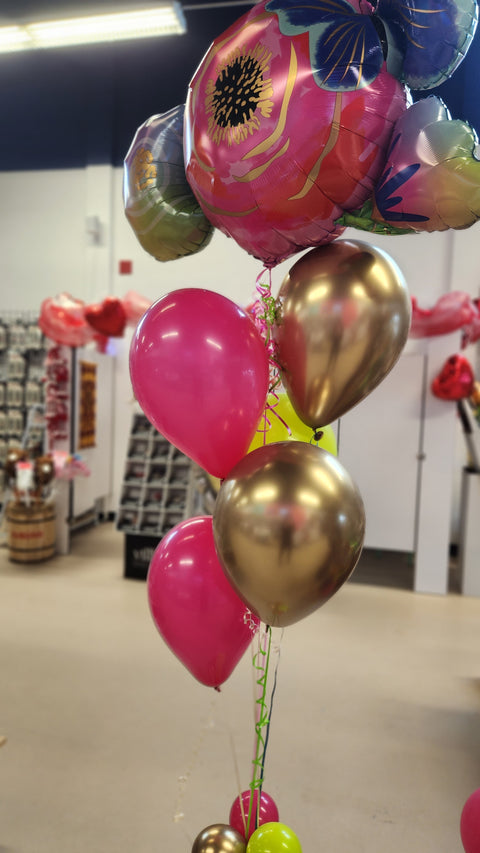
(291, 114)
(159, 204)
(431, 179)
(275, 149)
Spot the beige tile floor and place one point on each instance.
(375, 733)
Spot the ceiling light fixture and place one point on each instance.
(167, 19)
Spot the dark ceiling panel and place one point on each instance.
(65, 108)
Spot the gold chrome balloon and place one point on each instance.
(343, 319)
(219, 838)
(288, 525)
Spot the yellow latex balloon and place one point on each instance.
(274, 838)
(281, 413)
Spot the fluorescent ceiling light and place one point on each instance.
(167, 19)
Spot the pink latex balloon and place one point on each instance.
(470, 823)
(62, 319)
(199, 370)
(239, 819)
(194, 606)
(135, 306)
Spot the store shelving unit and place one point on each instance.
(158, 492)
(22, 357)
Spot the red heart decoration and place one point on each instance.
(455, 380)
(107, 317)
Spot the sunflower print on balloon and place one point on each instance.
(291, 114)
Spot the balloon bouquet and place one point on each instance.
(298, 123)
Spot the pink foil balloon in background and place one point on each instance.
(199, 370)
(195, 608)
(62, 319)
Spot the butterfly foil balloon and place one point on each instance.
(299, 122)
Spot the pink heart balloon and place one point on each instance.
(194, 606)
(199, 370)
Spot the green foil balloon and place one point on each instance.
(274, 838)
(159, 204)
(219, 838)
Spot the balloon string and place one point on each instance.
(264, 314)
(262, 720)
(267, 735)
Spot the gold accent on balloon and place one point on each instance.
(342, 321)
(329, 145)
(144, 169)
(282, 119)
(289, 524)
(255, 173)
(219, 838)
(205, 66)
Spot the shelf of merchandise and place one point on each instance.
(22, 358)
(158, 492)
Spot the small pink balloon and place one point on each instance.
(239, 820)
(470, 823)
(135, 306)
(62, 319)
(199, 370)
(195, 608)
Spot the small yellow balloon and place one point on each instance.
(281, 412)
(274, 838)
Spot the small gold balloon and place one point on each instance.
(14, 455)
(43, 470)
(475, 395)
(219, 838)
(343, 319)
(288, 524)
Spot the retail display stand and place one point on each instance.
(158, 491)
(22, 356)
(469, 551)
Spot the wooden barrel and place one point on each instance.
(30, 532)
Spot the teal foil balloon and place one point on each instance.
(159, 204)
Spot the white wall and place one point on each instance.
(46, 249)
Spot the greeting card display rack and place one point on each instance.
(158, 491)
(22, 357)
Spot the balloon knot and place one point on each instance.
(317, 435)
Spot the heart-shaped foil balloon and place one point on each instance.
(107, 317)
(455, 380)
(343, 320)
(288, 526)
